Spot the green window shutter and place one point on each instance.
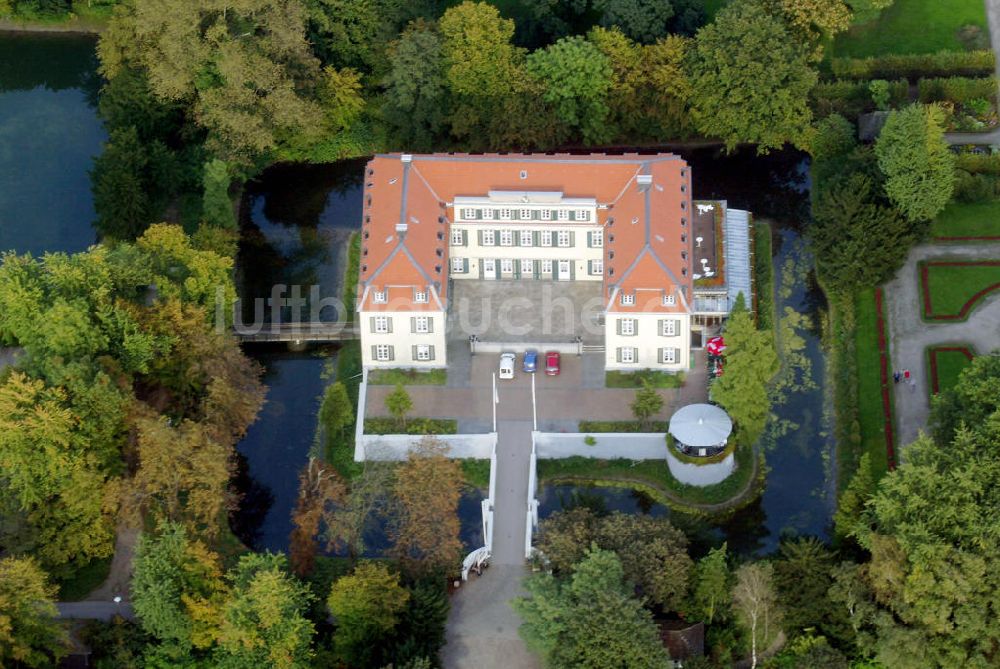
(537, 268)
(572, 264)
(465, 237)
(618, 331)
(572, 237)
(590, 241)
(392, 353)
(480, 237)
(413, 352)
(388, 323)
(465, 265)
(430, 351)
(590, 267)
(430, 324)
(413, 324)
(618, 354)
(660, 325)
(536, 238)
(372, 323)
(374, 353)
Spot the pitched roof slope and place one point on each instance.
(643, 203)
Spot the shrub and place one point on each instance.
(590, 440)
(940, 64)
(879, 88)
(850, 98)
(960, 90)
(979, 163)
(975, 187)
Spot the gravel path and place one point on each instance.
(909, 335)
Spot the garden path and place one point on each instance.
(909, 335)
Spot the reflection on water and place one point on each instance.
(296, 223)
(49, 134)
(276, 448)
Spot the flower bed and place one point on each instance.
(951, 289)
(945, 364)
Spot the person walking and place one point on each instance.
(906, 374)
(895, 376)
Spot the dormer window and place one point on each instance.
(525, 215)
(628, 299)
(563, 214)
(669, 300)
(469, 214)
(506, 214)
(420, 296)
(488, 214)
(546, 214)
(380, 296)
(581, 215)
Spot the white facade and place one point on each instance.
(634, 341)
(403, 339)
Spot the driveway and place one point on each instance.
(910, 336)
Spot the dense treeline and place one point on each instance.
(209, 93)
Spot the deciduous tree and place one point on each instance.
(366, 606)
(755, 604)
(217, 205)
(425, 524)
(30, 635)
(320, 488)
(642, 20)
(576, 78)
(710, 593)
(263, 621)
(647, 403)
(751, 80)
(398, 403)
(416, 99)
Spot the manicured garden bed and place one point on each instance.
(622, 426)
(414, 426)
(912, 26)
(945, 363)
(968, 222)
(408, 377)
(656, 379)
(951, 289)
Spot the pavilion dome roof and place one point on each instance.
(701, 425)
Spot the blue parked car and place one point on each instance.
(530, 361)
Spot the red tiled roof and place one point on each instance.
(644, 236)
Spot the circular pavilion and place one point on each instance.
(700, 429)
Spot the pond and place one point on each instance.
(49, 135)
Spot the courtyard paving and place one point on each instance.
(578, 393)
(525, 310)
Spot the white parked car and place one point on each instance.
(507, 360)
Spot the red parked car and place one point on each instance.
(552, 363)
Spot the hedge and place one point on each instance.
(850, 98)
(979, 163)
(911, 66)
(957, 89)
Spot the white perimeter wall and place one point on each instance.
(386, 447)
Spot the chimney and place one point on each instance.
(401, 230)
(644, 181)
(406, 158)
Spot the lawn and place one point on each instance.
(84, 580)
(951, 289)
(945, 363)
(871, 418)
(651, 476)
(408, 377)
(911, 26)
(968, 221)
(656, 379)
